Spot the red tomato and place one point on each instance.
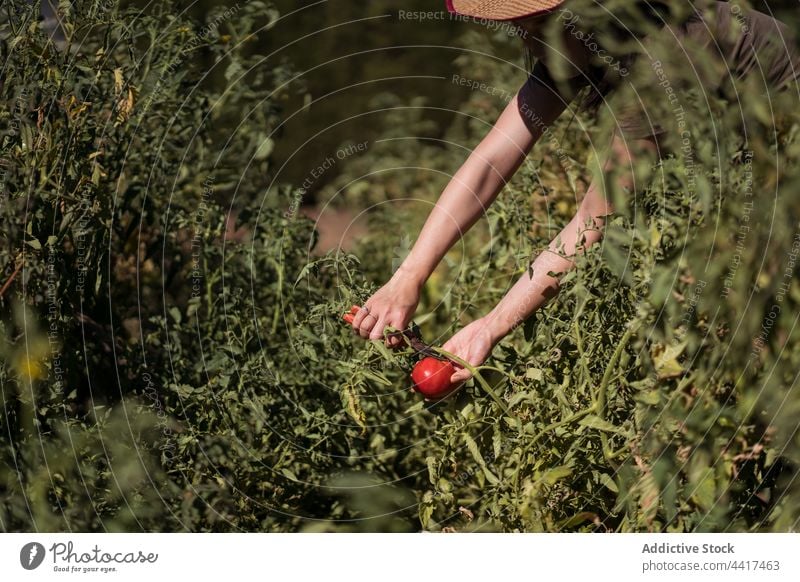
(431, 377)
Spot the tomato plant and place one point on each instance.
(144, 337)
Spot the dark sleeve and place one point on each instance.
(542, 99)
(566, 90)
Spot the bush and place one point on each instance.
(174, 359)
(655, 393)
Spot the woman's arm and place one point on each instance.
(475, 186)
(464, 200)
(475, 342)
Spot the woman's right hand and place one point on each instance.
(391, 305)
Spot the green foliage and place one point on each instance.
(119, 165)
(648, 396)
(163, 370)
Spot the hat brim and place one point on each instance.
(501, 10)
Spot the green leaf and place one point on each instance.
(651, 397)
(426, 509)
(472, 446)
(416, 407)
(534, 374)
(704, 489)
(376, 376)
(234, 69)
(608, 482)
(383, 350)
(176, 314)
(497, 441)
(433, 473)
(578, 518)
(665, 359)
(556, 474)
(192, 306)
(648, 496)
(264, 149)
(593, 421)
(661, 286)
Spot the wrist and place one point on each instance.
(409, 277)
(498, 325)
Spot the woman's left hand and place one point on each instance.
(474, 344)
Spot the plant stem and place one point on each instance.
(474, 371)
(600, 402)
(10, 280)
(552, 426)
(581, 353)
(276, 315)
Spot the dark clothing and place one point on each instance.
(744, 41)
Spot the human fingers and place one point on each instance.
(359, 317)
(451, 346)
(367, 324)
(460, 375)
(395, 339)
(377, 329)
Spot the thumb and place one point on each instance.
(461, 375)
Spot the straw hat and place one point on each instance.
(501, 9)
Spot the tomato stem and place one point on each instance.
(600, 401)
(478, 377)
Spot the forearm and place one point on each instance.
(473, 188)
(477, 183)
(530, 293)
